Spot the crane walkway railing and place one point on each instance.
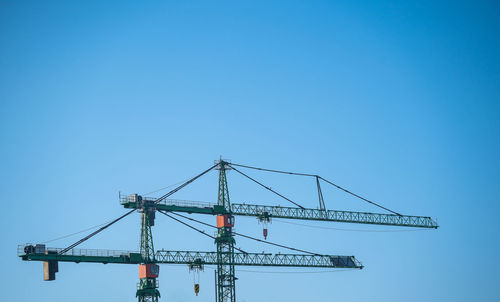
(124, 199)
(23, 249)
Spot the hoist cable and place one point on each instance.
(268, 188)
(95, 233)
(325, 180)
(249, 237)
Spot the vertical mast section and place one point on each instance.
(147, 288)
(147, 221)
(225, 241)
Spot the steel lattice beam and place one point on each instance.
(262, 259)
(238, 209)
(333, 215)
(188, 257)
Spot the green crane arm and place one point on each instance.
(190, 257)
(261, 259)
(288, 213)
(333, 215)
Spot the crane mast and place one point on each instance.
(225, 241)
(147, 290)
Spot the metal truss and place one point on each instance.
(188, 257)
(332, 215)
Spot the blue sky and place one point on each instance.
(397, 101)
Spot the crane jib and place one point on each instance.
(293, 213)
(188, 257)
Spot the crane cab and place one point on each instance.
(149, 270)
(225, 221)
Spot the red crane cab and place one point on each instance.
(225, 221)
(149, 270)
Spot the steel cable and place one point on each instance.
(185, 184)
(198, 230)
(94, 233)
(325, 180)
(249, 237)
(75, 233)
(268, 188)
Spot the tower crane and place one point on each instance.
(227, 255)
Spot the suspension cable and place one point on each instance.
(96, 226)
(163, 188)
(358, 196)
(185, 184)
(325, 180)
(348, 230)
(249, 237)
(268, 188)
(94, 233)
(278, 245)
(198, 230)
(276, 171)
(75, 233)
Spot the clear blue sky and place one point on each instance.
(397, 101)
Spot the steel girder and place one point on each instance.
(189, 257)
(238, 209)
